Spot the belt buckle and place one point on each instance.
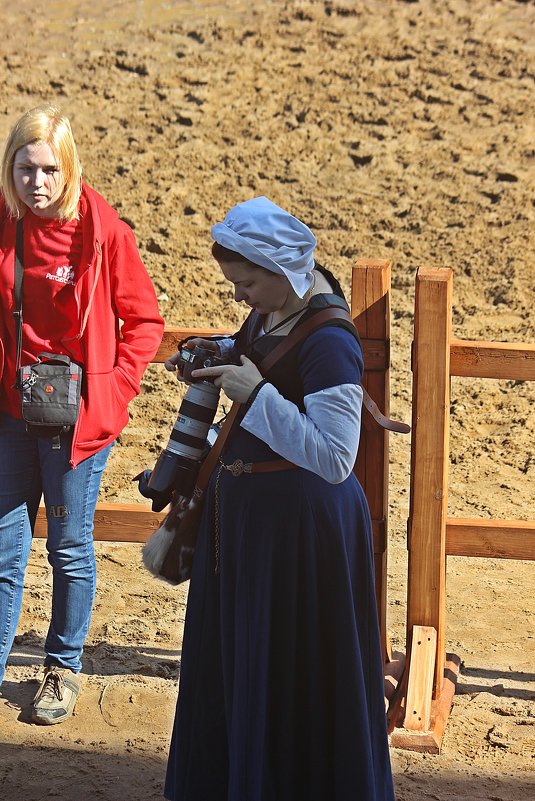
(238, 467)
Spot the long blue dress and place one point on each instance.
(281, 688)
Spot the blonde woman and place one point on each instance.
(86, 294)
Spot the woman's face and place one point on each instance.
(260, 289)
(38, 179)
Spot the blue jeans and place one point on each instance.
(31, 467)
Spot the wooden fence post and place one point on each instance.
(431, 676)
(430, 459)
(370, 309)
(430, 687)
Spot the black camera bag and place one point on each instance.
(50, 390)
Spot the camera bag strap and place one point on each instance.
(62, 413)
(205, 470)
(17, 314)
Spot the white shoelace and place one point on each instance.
(53, 686)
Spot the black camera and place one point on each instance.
(196, 359)
(193, 434)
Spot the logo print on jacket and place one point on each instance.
(64, 275)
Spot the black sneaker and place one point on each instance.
(56, 696)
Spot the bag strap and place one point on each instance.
(19, 275)
(62, 358)
(211, 460)
(17, 313)
(300, 332)
(382, 419)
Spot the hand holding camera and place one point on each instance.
(237, 381)
(176, 470)
(199, 360)
(194, 344)
(199, 364)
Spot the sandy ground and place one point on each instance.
(397, 130)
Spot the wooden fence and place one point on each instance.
(432, 535)
(419, 706)
(370, 308)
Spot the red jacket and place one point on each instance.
(119, 326)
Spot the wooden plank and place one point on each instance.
(370, 308)
(492, 360)
(376, 354)
(172, 336)
(431, 741)
(375, 449)
(379, 536)
(134, 522)
(441, 707)
(430, 458)
(116, 522)
(393, 674)
(497, 539)
(370, 297)
(421, 677)
(376, 351)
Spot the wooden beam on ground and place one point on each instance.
(430, 741)
(370, 309)
(116, 522)
(421, 676)
(426, 600)
(493, 539)
(492, 360)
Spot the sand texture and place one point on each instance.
(396, 129)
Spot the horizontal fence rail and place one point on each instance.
(492, 539)
(172, 336)
(115, 522)
(492, 360)
(375, 351)
(501, 539)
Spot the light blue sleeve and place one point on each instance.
(324, 439)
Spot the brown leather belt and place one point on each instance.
(379, 417)
(238, 466)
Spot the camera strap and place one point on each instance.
(17, 285)
(205, 470)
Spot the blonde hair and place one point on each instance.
(44, 125)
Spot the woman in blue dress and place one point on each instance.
(281, 687)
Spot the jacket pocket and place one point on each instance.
(105, 400)
(123, 388)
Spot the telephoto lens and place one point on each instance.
(178, 464)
